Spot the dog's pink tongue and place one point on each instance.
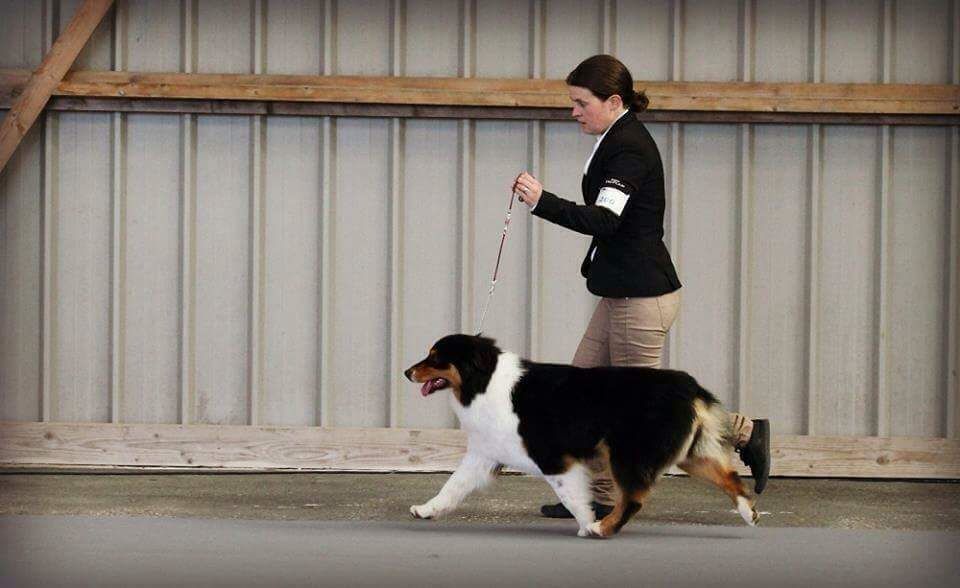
(429, 386)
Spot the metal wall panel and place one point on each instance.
(221, 343)
(710, 41)
(81, 217)
(775, 317)
(20, 280)
(291, 228)
(847, 298)
(782, 51)
(21, 201)
(430, 246)
(282, 270)
(643, 39)
(917, 255)
(851, 41)
(149, 284)
(21, 45)
(360, 226)
(921, 35)
(81, 221)
(431, 38)
(705, 331)
(430, 207)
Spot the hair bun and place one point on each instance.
(640, 101)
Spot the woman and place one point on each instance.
(627, 263)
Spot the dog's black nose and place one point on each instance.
(408, 373)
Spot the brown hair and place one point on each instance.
(605, 75)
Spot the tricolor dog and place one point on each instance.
(547, 419)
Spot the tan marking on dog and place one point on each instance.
(623, 511)
(420, 373)
(725, 478)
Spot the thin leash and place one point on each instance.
(496, 268)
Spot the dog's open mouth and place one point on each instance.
(431, 386)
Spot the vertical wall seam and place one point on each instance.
(608, 27)
(50, 153)
(952, 387)
(952, 390)
(188, 164)
(676, 137)
(535, 161)
(118, 226)
(744, 155)
(257, 236)
(395, 206)
(466, 148)
(328, 152)
(882, 425)
(815, 163)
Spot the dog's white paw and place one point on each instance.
(591, 530)
(747, 512)
(422, 511)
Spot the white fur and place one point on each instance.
(492, 440)
(745, 510)
(490, 422)
(473, 473)
(573, 489)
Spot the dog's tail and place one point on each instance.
(712, 432)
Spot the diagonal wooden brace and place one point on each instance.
(28, 106)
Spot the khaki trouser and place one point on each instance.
(630, 332)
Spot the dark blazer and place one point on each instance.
(631, 259)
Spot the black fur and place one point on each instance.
(644, 415)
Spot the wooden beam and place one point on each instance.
(236, 107)
(899, 99)
(248, 448)
(43, 82)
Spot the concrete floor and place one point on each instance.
(354, 529)
(513, 499)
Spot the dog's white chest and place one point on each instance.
(490, 422)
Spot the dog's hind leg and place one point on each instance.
(573, 490)
(725, 478)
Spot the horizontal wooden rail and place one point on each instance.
(489, 98)
(247, 448)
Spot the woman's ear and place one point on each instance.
(615, 102)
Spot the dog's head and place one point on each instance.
(463, 363)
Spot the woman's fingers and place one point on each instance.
(528, 188)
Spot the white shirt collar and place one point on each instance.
(599, 140)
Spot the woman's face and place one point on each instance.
(593, 114)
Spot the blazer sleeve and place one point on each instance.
(621, 173)
(586, 219)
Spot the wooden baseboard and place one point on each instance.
(245, 448)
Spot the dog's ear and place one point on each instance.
(484, 357)
(486, 341)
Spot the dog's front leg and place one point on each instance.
(573, 489)
(473, 473)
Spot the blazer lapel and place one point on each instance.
(608, 140)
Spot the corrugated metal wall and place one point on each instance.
(283, 270)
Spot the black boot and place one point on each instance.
(756, 454)
(559, 511)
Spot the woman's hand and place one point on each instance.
(528, 188)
